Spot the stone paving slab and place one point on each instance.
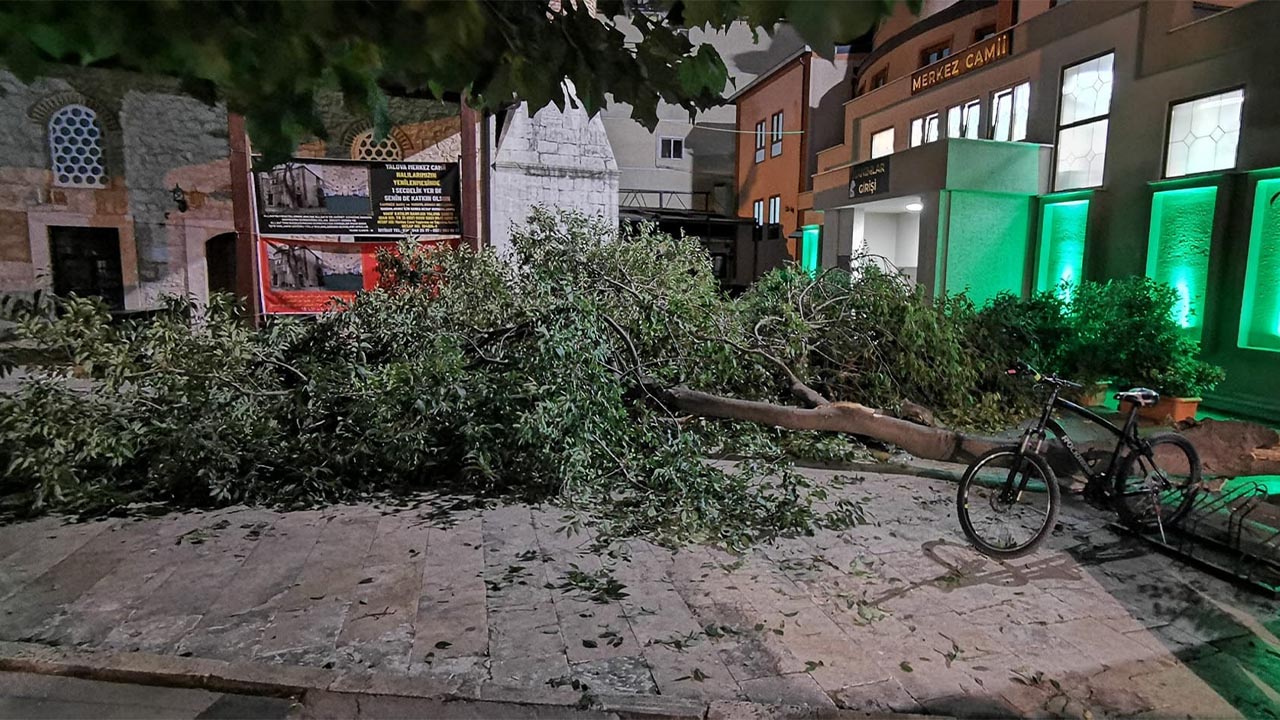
(897, 615)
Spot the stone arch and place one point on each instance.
(46, 106)
(359, 127)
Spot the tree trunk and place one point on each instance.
(1259, 454)
(919, 440)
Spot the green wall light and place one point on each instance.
(810, 239)
(1178, 249)
(1260, 311)
(986, 243)
(1061, 252)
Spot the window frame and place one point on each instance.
(760, 140)
(670, 140)
(983, 32)
(1012, 90)
(775, 210)
(962, 106)
(936, 47)
(776, 130)
(880, 79)
(924, 129)
(757, 211)
(1059, 126)
(871, 142)
(1168, 130)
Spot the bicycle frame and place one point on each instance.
(1126, 436)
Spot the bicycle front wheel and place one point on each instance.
(1008, 502)
(1156, 485)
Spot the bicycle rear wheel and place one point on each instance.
(1159, 482)
(999, 520)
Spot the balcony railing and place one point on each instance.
(694, 201)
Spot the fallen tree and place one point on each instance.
(597, 370)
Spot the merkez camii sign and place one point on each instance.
(971, 58)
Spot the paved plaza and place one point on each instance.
(896, 615)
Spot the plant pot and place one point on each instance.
(1168, 411)
(1091, 395)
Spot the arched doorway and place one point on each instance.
(220, 259)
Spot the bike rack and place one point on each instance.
(1234, 534)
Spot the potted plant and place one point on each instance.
(1131, 335)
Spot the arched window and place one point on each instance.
(364, 148)
(75, 147)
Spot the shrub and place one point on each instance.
(1125, 330)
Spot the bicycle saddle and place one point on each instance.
(1142, 397)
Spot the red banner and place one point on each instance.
(306, 277)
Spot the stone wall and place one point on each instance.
(553, 159)
(153, 139)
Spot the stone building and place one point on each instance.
(117, 185)
(552, 158)
(110, 184)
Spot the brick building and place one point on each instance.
(784, 116)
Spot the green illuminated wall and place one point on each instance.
(986, 243)
(1260, 312)
(810, 240)
(1178, 249)
(1062, 233)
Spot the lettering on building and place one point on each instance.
(975, 56)
(869, 178)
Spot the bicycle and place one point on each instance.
(1016, 481)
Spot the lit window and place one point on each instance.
(757, 211)
(964, 120)
(1082, 123)
(671, 148)
(1203, 134)
(760, 141)
(1009, 109)
(775, 136)
(924, 129)
(75, 148)
(775, 210)
(882, 143)
(934, 54)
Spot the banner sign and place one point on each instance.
(869, 178)
(971, 58)
(341, 197)
(307, 277)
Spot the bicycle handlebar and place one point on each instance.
(1023, 368)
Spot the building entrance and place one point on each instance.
(86, 261)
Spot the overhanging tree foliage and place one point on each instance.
(269, 59)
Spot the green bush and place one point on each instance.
(1125, 331)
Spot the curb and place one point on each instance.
(334, 687)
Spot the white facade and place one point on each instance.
(552, 158)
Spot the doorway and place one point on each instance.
(220, 260)
(86, 262)
(887, 233)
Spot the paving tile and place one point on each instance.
(790, 689)
(378, 628)
(42, 551)
(452, 617)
